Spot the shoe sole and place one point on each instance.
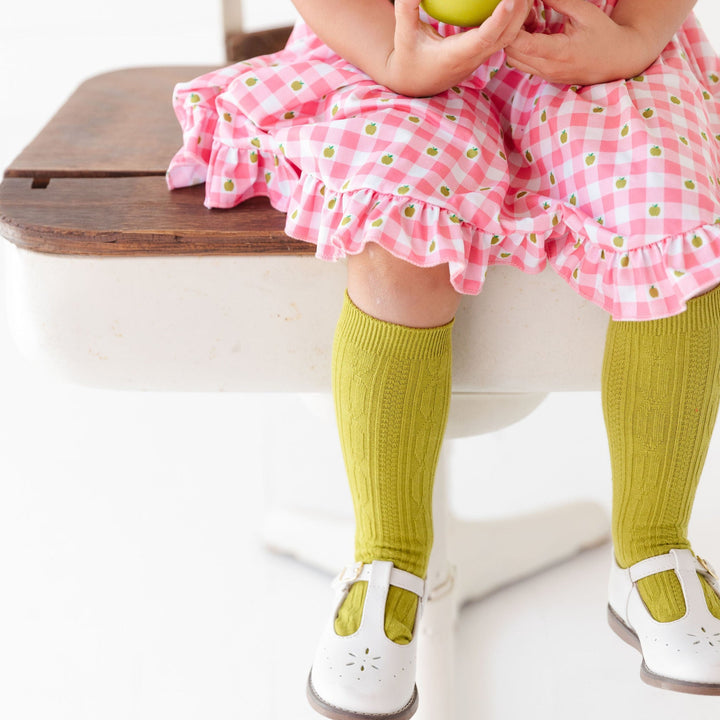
(336, 713)
(659, 681)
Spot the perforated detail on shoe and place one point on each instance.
(704, 638)
(364, 661)
(701, 642)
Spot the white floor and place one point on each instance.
(133, 578)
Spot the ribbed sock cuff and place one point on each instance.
(404, 343)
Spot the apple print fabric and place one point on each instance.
(617, 185)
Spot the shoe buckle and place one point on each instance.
(708, 567)
(348, 575)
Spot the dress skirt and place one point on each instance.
(615, 185)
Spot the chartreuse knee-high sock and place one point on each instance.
(392, 391)
(661, 388)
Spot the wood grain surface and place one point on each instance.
(137, 216)
(118, 124)
(92, 182)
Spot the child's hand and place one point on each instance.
(424, 63)
(592, 48)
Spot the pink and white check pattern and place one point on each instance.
(617, 185)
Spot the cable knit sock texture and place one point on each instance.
(392, 392)
(661, 388)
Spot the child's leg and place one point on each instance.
(391, 383)
(661, 388)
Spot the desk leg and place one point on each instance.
(436, 644)
(459, 571)
(521, 545)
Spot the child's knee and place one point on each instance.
(395, 290)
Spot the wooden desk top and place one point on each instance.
(93, 181)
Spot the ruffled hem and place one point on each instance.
(649, 282)
(194, 105)
(254, 164)
(421, 233)
(644, 283)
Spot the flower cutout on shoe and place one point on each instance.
(712, 639)
(364, 661)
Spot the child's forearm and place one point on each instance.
(400, 51)
(361, 31)
(656, 20)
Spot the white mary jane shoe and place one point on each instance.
(365, 675)
(682, 655)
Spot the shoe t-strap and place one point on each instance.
(685, 564)
(677, 560)
(359, 572)
(652, 566)
(382, 575)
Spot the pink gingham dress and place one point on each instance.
(616, 185)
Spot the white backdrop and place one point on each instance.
(127, 519)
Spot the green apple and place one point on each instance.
(464, 13)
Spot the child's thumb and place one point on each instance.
(407, 10)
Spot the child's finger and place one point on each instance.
(537, 45)
(495, 33)
(503, 25)
(530, 69)
(407, 11)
